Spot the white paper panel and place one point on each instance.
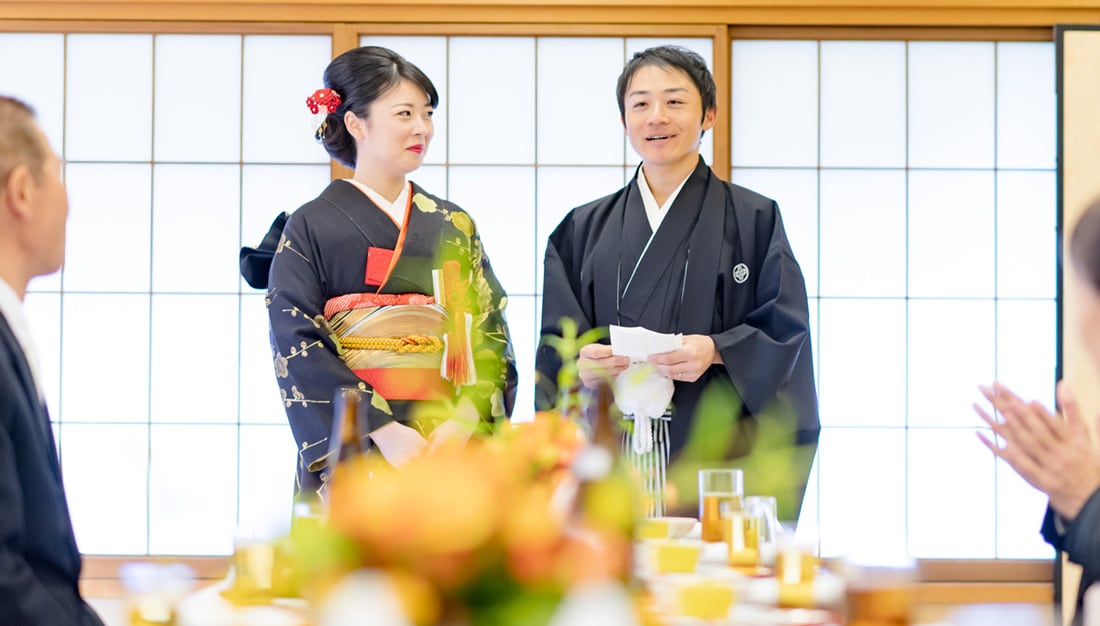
(501, 199)
(951, 234)
(196, 228)
(194, 367)
(863, 233)
(267, 190)
(280, 72)
(1027, 241)
(863, 104)
(193, 489)
(951, 104)
(951, 495)
(951, 352)
(560, 190)
(109, 98)
(577, 122)
(862, 508)
(431, 178)
(107, 237)
(775, 103)
(105, 468)
(268, 461)
(1027, 348)
(37, 79)
(1026, 105)
(861, 380)
(492, 118)
(198, 113)
(105, 358)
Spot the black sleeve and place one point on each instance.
(308, 365)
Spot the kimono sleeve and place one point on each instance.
(760, 351)
(496, 360)
(308, 365)
(560, 299)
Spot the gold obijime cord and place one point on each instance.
(410, 343)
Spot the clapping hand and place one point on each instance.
(1055, 454)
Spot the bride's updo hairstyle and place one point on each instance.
(360, 76)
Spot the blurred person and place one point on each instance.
(356, 268)
(39, 560)
(1055, 452)
(677, 250)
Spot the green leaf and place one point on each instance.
(380, 403)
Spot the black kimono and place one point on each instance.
(323, 254)
(719, 265)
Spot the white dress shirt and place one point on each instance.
(11, 307)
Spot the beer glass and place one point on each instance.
(720, 492)
(880, 591)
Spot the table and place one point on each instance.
(113, 612)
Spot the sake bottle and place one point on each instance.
(349, 429)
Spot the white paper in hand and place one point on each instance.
(640, 390)
(638, 342)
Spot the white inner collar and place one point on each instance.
(656, 213)
(395, 209)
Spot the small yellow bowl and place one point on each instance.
(675, 557)
(654, 528)
(705, 600)
(666, 527)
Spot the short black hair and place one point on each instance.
(360, 76)
(20, 141)
(676, 57)
(1084, 245)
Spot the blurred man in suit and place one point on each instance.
(39, 560)
(1055, 452)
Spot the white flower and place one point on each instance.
(645, 393)
(641, 390)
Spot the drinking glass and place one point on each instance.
(153, 590)
(880, 591)
(761, 511)
(720, 493)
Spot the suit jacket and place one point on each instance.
(1080, 540)
(39, 560)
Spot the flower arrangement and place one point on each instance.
(475, 534)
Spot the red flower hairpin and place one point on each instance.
(321, 104)
(323, 98)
